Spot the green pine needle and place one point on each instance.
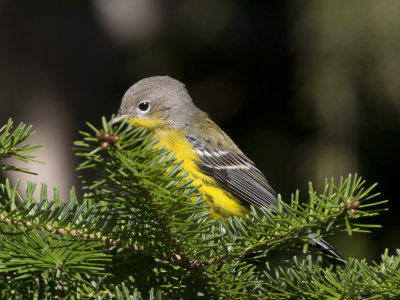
(142, 231)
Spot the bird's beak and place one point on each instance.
(118, 118)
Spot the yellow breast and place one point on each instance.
(221, 201)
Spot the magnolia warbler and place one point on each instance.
(229, 181)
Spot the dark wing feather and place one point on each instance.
(237, 174)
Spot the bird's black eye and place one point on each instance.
(144, 106)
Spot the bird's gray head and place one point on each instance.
(155, 101)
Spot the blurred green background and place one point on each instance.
(308, 89)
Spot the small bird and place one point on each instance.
(229, 181)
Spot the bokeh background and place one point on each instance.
(308, 89)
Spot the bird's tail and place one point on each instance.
(328, 251)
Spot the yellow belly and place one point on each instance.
(222, 203)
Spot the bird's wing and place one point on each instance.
(236, 173)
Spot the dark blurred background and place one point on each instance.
(308, 89)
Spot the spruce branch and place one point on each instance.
(143, 230)
(10, 139)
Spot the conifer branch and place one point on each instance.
(143, 230)
(10, 140)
